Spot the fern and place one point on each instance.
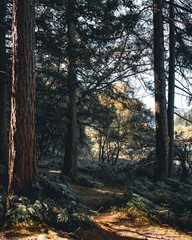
(63, 216)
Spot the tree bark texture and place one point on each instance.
(70, 159)
(161, 161)
(171, 89)
(22, 142)
(3, 88)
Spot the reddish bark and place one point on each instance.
(3, 89)
(22, 147)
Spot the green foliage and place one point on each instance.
(143, 207)
(183, 135)
(20, 211)
(137, 207)
(104, 53)
(63, 216)
(163, 203)
(52, 202)
(121, 122)
(183, 141)
(2, 202)
(23, 210)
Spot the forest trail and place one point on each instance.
(116, 225)
(98, 198)
(106, 225)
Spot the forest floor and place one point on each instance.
(105, 224)
(115, 225)
(107, 220)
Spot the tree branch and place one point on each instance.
(182, 117)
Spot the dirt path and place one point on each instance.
(105, 225)
(98, 198)
(116, 226)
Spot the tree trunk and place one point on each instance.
(161, 162)
(22, 147)
(3, 88)
(171, 89)
(100, 146)
(117, 154)
(70, 159)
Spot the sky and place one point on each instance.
(180, 102)
(147, 96)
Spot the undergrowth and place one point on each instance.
(54, 202)
(161, 203)
(51, 202)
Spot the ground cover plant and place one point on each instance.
(127, 188)
(165, 203)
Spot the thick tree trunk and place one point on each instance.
(70, 159)
(171, 89)
(22, 147)
(161, 163)
(3, 89)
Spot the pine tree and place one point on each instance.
(22, 146)
(70, 159)
(95, 65)
(171, 89)
(161, 162)
(3, 88)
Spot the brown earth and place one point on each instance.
(105, 225)
(117, 226)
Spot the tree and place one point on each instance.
(51, 72)
(96, 66)
(183, 139)
(22, 146)
(183, 39)
(161, 161)
(70, 159)
(121, 122)
(171, 89)
(3, 88)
